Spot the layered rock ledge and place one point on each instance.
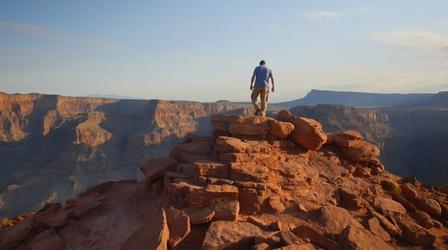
(257, 183)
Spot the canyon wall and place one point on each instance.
(413, 141)
(52, 147)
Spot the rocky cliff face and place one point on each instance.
(52, 147)
(258, 183)
(414, 140)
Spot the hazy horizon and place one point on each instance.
(206, 51)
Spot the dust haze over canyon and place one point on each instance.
(53, 147)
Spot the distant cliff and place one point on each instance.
(52, 147)
(414, 141)
(357, 99)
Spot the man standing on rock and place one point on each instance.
(261, 77)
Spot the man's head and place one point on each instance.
(262, 62)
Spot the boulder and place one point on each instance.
(279, 129)
(178, 224)
(431, 206)
(212, 169)
(358, 238)
(389, 205)
(153, 234)
(390, 186)
(423, 219)
(226, 210)
(376, 228)
(362, 151)
(415, 234)
(308, 133)
(12, 236)
(349, 199)
(306, 232)
(207, 196)
(347, 139)
(408, 191)
(334, 219)
(155, 169)
(199, 215)
(230, 235)
(391, 228)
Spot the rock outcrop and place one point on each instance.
(247, 190)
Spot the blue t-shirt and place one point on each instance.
(262, 74)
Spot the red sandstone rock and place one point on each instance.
(154, 169)
(299, 246)
(243, 129)
(250, 202)
(206, 196)
(178, 224)
(430, 206)
(226, 210)
(409, 192)
(247, 172)
(307, 132)
(230, 235)
(199, 215)
(359, 238)
(231, 145)
(212, 169)
(334, 219)
(279, 129)
(377, 229)
(153, 234)
(415, 234)
(388, 205)
(315, 237)
(388, 226)
(363, 151)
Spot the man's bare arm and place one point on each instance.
(273, 81)
(252, 81)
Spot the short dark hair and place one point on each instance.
(262, 62)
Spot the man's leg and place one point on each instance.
(254, 97)
(264, 101)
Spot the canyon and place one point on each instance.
(255, 183)
(54, 147)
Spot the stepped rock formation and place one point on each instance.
(52, 147)
(242, 189)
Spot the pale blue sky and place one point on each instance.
(206, 50)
